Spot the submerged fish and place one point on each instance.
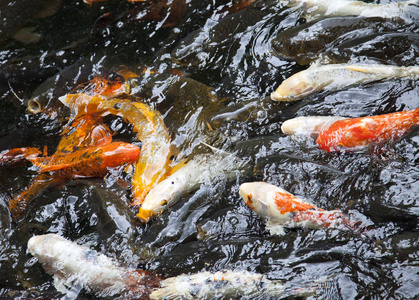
(337, 76)
(280, 208)
(355, 133)
(216, 42)
(75, 265)
(218, 285)
(304, 43)
(201, 169)
(314, 9)
(148, 123)
(389, 48)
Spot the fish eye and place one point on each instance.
(117, 106)
(164, 202)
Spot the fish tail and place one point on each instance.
(18, 204)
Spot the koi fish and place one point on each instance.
(151, 131)
(315, 9)
(304, 43)
(72, 265)
(88, 162)
(218, 285)
(355, 133)
(199, 170)
(337, 76)
(280, 208)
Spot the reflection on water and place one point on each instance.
(227, 71)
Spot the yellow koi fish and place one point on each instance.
(336, 76)
(151, 131)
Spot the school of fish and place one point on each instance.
(159, 180)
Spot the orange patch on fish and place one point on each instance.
(286, 203)
(358, 132)
(249, 202)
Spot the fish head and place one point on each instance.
(158, 199)
(81, 103)
(190, 51)
(293, 88)
(46, 248)
(255, 195)
(311, 125)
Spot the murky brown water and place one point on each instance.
(230, 70)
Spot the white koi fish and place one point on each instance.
(280, 208)
(315, 9)
(75, 265)
(335, 77)
(219, 285)
(200, 170)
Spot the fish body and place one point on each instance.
(199, 170)
(356, 133)
(218, 285)
(89, 161)
(314, 9)
(280, 208)
(304, 43)
(336, 76)
(151, 131)
(72, 264)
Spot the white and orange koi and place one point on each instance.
(280, 208)
(148, 123)
(349, 134)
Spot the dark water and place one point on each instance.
(230, 70)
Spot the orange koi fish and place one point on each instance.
(87, 162)
(148, 123)
(350, 134)
(281, 208)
